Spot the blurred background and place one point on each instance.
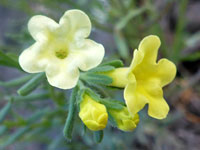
(35, 122)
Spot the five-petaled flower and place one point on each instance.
(144, 79)
(61, 49)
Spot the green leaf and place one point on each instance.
(115, 63)
(20, 122)
(4, 111)
(31, 84)
(16, 82)
(130, 15)
(98, 136)
(31, 97)
(69, 124)
(16, 135)
(7, 60)
(80, 95)
(20, 132)
(111, 120)
(179, 37)
(102, 69)
(94, 95)
(109, 103)
(55, 143)
(99, 89)
(112, 104)
(57, 96)
(84, 129)
(96, 78)
(122, 46)
(37, 115)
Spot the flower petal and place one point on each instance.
(77, 23)
(135, 101)
(158, 108)
(166, 71)
(150, 77)
(41, 27)
(149, 46)
(32, 60)
(63, 74)
(138, 57)
(89, 55)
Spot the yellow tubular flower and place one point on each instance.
(146, 78)
(93, 114)
(61, 49)
(119, 77)
(125, 121)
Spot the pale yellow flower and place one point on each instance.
(125, 121)
(93, 114)
(145, 78)
(61, 49)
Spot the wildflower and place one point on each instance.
(93, 114)
(145, 79)
(125, 121)
(61, 49)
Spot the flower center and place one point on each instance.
(61, 54)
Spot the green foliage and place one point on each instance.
(127, 21)
(20, 132)
(95, 78)
(5, 111)
(115, 63)
(108, 102)
(102, 69)
(98, 136)
(69, 124)
(121, 44)
(31, 84)
(179, 34)
(16, 82)
(112, 104)
(8, 60)
(31, 97)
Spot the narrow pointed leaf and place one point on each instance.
(97, 79)
(98, 136)
(102, 69)
(115, 63)
(31, 97)
(31, 84)
(6, 60)
(4, 111)
(16, 135)
(16, 82)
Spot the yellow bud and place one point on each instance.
(93, 114)
(125, 121)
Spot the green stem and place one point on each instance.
(68, 128)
